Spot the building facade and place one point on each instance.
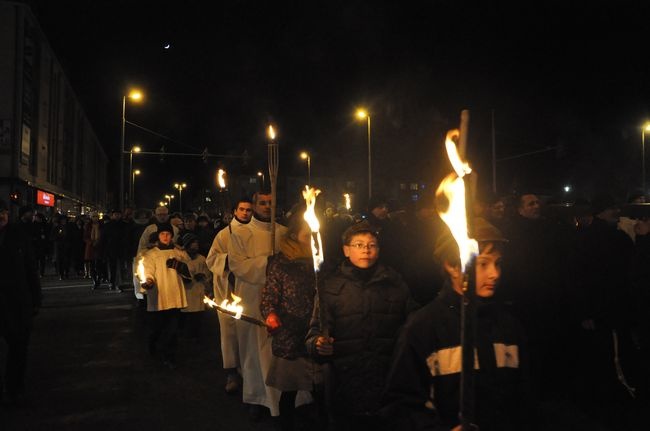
(50, 157)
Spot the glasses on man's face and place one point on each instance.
(362, 246)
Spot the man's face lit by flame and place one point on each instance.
(244, 212)
(262, 207)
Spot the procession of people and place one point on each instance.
(374, 339)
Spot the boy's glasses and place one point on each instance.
(362, 246)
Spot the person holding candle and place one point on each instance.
(164, 271)
(223, 286)
(361, 308)
(423, 385)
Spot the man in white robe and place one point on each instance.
(224, 284)
(250, 247)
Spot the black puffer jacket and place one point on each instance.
(363, 311)
(423, 386)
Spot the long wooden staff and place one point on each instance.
(273, 175)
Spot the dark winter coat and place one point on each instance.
(363, 310)
(423, 386)
(603, 276)
(289, 292)
(113, 238)
(20, 289)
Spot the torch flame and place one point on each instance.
(271, 133)
(229, 306)
(453, 188)
(140, 270)
(309, 194)
(220, 178)
(233, 306)
(347, 201)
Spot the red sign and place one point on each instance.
(44, 198)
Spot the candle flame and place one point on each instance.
(453, 188)
(271, 133)
(140, 270)
(309, 194)
(347, 201)
(220, 178)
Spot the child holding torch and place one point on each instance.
(361, 308)
(286, 305)
(423, 389)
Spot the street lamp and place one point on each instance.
(261, 174)
(132, 195)
(169, 200)
(305, 156)
(646, 128)
(363, 114)
(180, 188)
(134, 95)
(135, 149)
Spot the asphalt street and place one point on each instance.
(89, 369)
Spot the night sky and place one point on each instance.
(571, 75)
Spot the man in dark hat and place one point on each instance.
(20, 299)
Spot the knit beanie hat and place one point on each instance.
(165, 227)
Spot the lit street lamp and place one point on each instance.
(305, 156)
(361, 114)
(135, 149)
(135, 172)
(134, 95)
(180, 188)
(646, 128)
(169, 200)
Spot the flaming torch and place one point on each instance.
(309, 194)
(273, 176)
(140, 270)
(221, 181)
(348, 205)
(453, 190)
(233, 309)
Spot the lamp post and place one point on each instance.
(180, 188)
(133, 95)
(132, 194)
(305, 156)
(646, 128)
(169, 200)
(361, 114)
(135, 149)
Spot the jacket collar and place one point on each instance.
(259, 224)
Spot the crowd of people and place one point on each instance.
(373, 339)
